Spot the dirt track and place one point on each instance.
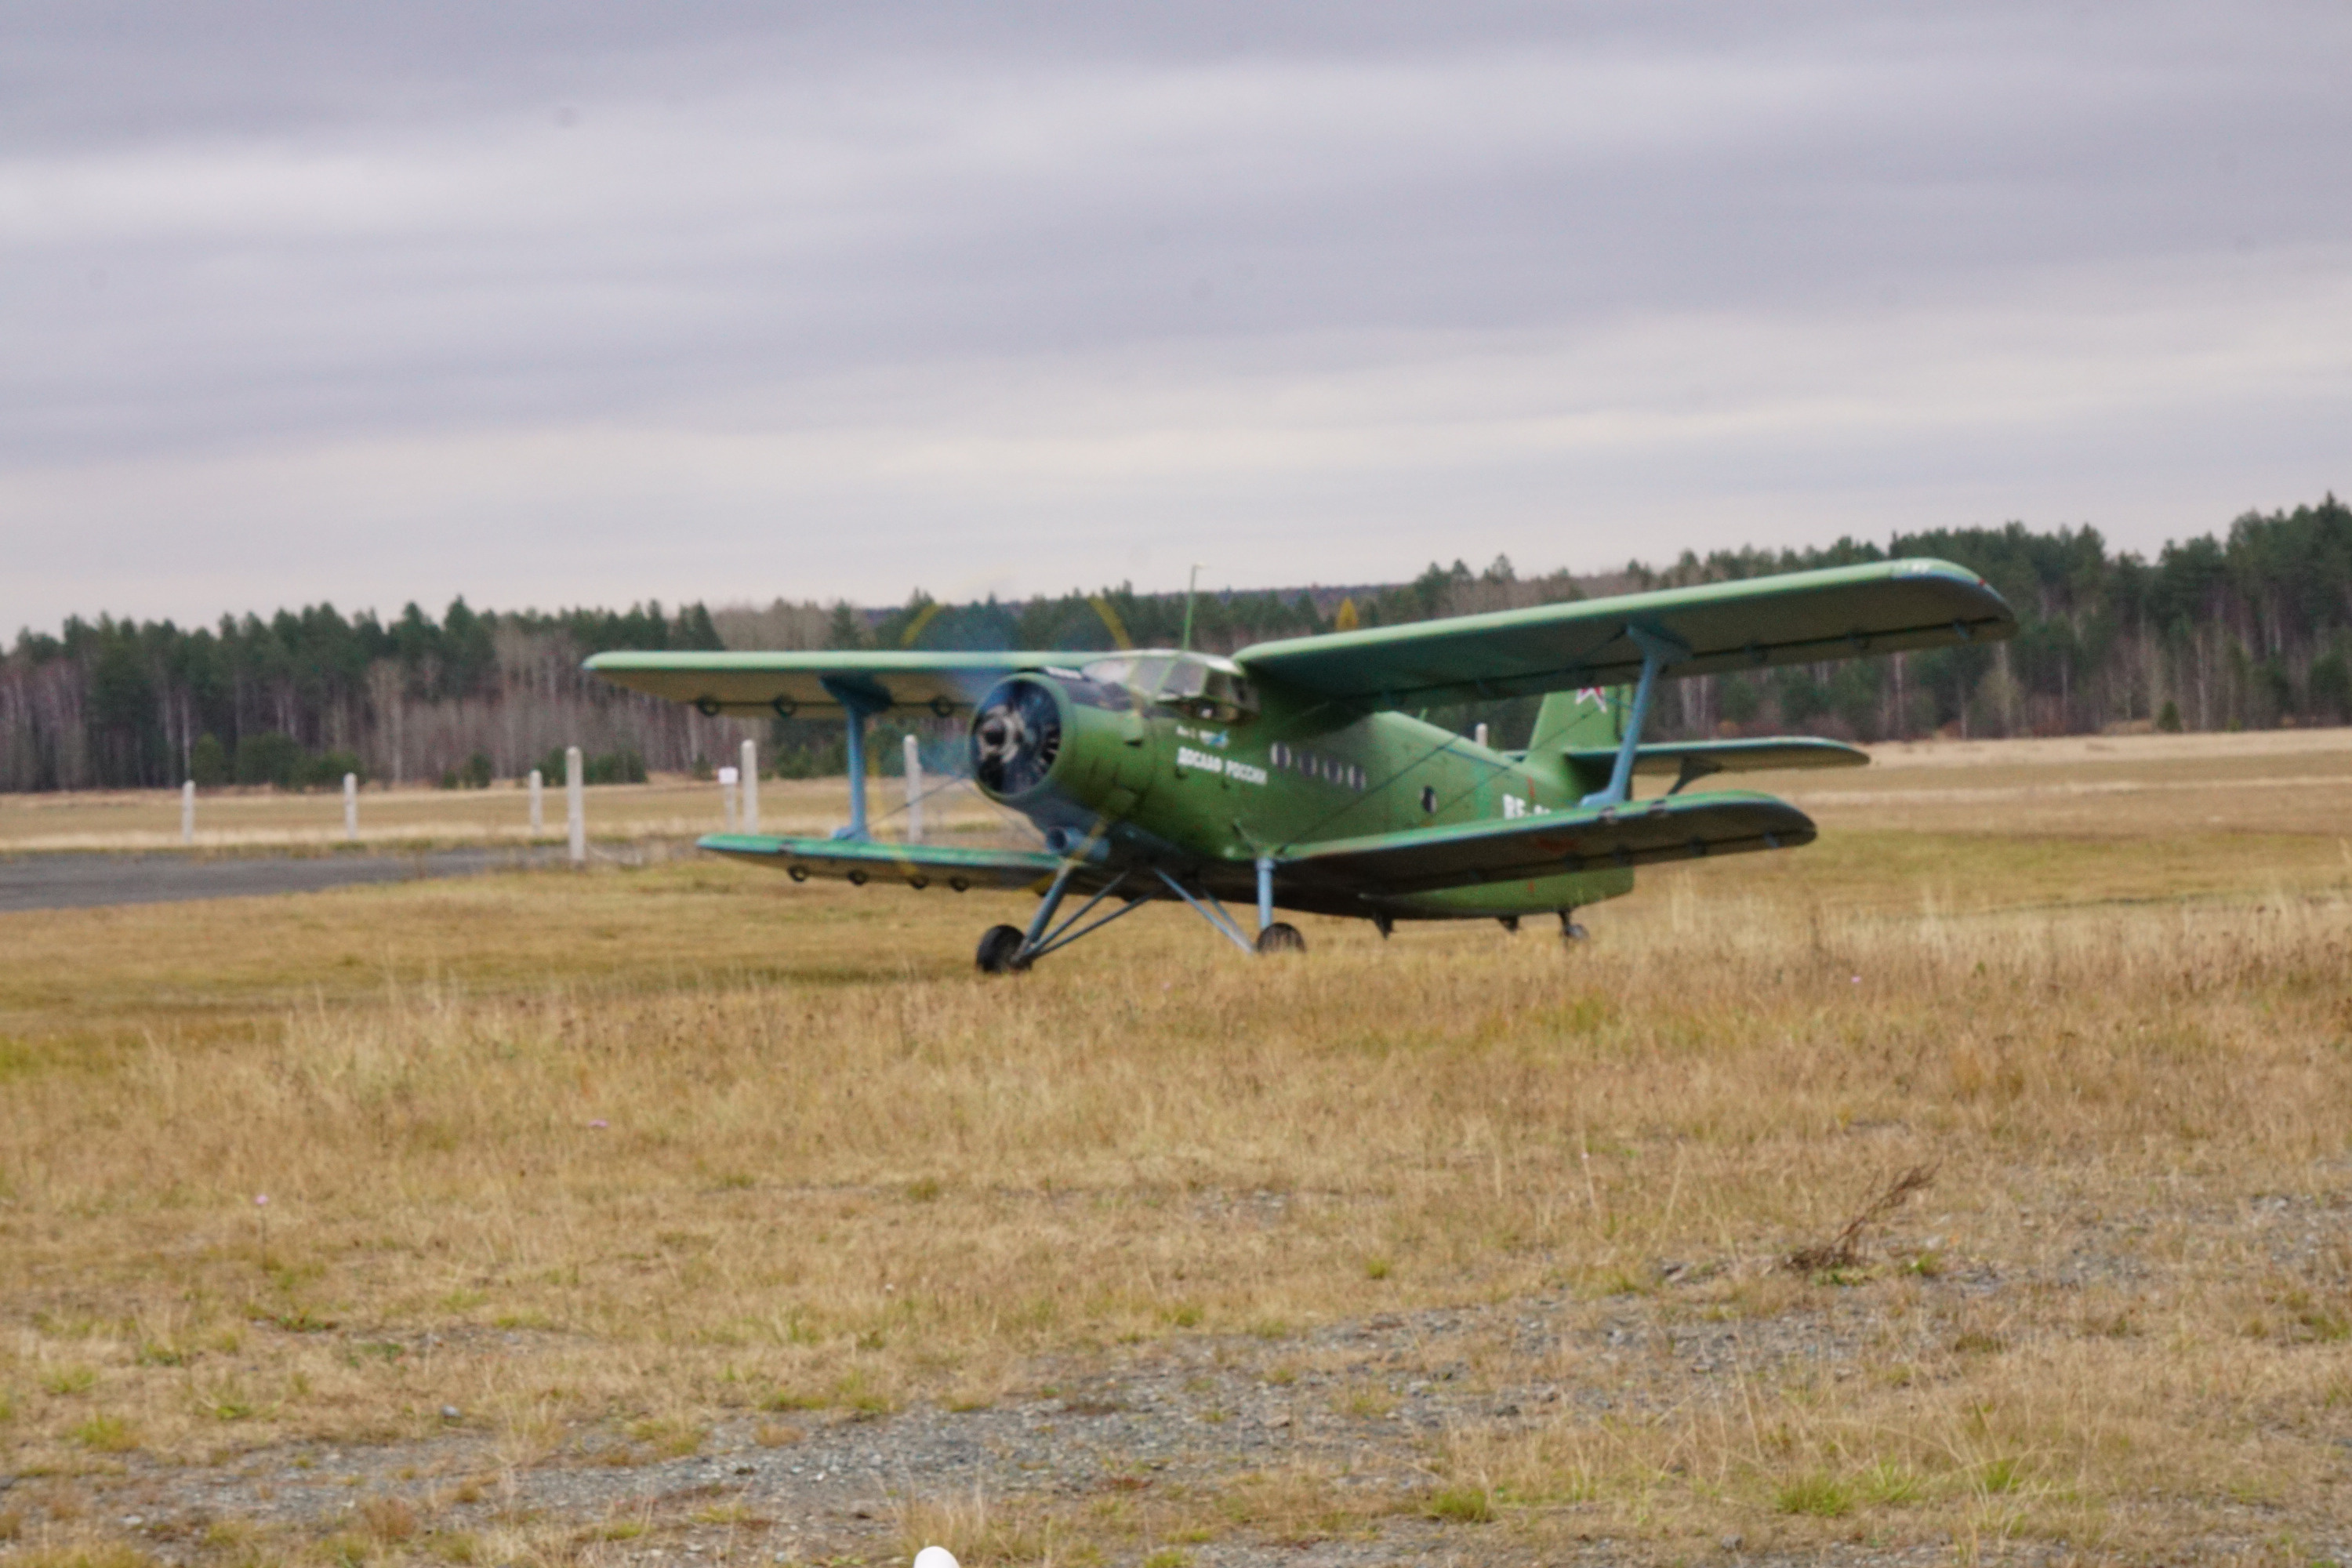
(1367, 1405)
(81, 881)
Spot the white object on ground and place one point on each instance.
(575, 804)
(936, 1557)
(750, 786)
(726, 794)
(914, 791)
(538, 817)
(188, 812)
(351, 807)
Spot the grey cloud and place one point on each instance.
(1042, 242)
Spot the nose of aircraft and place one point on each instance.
(1015, 737)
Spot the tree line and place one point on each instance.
(2249, 628)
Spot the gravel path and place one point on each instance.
(66, 881)
(1360, 1406)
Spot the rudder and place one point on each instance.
(1577, 719)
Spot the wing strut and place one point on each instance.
(1658, 650)
(860, 700)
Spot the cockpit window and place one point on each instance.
(1198, 684)
(1099, 694)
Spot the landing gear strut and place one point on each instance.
(1010, 950)
(1568, 930)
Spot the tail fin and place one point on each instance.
(1577, 719)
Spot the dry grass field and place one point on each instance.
(607, 1213)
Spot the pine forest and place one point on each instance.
(2249, 628)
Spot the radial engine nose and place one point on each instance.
(1016, 736)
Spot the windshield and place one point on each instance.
(1201, 684)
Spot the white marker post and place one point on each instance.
(914, 791)
(750, 786)
(188, 812)
(1480, 735)
(727, 794)
(352, 807)
(538, 812)
(575, 804)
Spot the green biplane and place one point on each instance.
(1290, 775)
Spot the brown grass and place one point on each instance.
(641, 1152)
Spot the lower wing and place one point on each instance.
(1700, 757)
(916, 865)
(1644, 833)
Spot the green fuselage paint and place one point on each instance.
(1215, 785)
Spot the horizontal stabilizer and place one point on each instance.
(1644, 833)
(1800, 617)
(1697, 758)
(813, 685)
(863, 861)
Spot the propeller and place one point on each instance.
(1016, 736)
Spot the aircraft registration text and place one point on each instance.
(1232, 767)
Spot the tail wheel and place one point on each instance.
(1281, 938)
(998, 947)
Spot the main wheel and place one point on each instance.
(1568, 930)
(998, 947)
(1281, 938)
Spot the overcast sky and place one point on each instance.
(583, 302)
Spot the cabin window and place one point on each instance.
(1429, 798)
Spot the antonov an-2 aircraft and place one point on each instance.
(1291, 774)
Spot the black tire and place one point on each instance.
(998, 947)
(1281, 938)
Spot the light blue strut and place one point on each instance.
(1658, 650)
(860, 700)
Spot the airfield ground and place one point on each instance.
(680, 1214)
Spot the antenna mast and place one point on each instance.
(1191, 591)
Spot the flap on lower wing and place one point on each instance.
(916, 865)
(1699, 757)
(1643, 833)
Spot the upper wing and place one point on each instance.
(1670, 828)
(1795, 619)
(1700, 757)
(811, 683)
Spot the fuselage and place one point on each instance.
(1185, 761)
